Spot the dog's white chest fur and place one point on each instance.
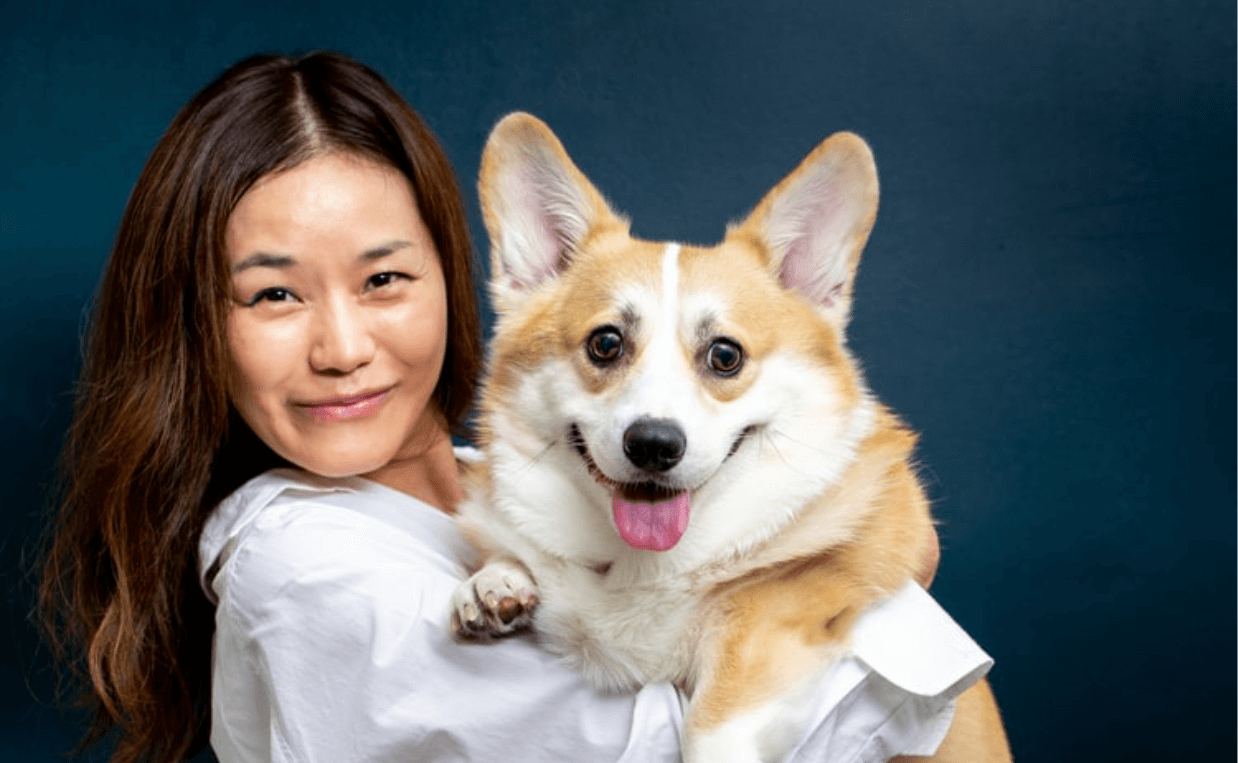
(620, 633)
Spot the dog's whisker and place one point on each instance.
(795, 441)
(529, 464)
(779, 453)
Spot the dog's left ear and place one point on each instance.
(814, 223)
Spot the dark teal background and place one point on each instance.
(1048, 295)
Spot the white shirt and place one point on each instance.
(332, 645)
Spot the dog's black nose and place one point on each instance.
(654, 445)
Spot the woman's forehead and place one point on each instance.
(331, 200)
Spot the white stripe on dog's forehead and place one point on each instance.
(670, 284)
(651, 304)
(687, 311)
(667, 330)
(658, 388)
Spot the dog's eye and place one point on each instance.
(605, 345)
(724, 357)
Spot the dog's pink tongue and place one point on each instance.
(652, 526)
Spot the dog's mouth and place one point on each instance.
(646, 489)
(648, 515)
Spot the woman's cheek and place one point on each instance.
(418, 334)
(264, 357)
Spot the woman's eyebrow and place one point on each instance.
(378, 252)
(279, 261)
(264, 260)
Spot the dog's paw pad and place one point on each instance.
(499, 599)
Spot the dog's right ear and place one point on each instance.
(538, 207)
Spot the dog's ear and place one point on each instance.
(814, 224)
(538, 207)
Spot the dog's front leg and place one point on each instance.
(758, 710)
(769, 643)
(497, 600)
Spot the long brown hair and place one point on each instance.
(154, 443)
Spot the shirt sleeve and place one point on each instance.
(895, 691)
(332, 646)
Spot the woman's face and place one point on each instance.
(338, 321)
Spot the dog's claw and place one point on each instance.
(498, 600)
(508, 609)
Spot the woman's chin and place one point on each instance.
(340, 464)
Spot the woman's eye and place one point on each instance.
(379, 280)
(273, 294)
(724, 357)
(604, 345)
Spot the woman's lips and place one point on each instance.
(345, 408)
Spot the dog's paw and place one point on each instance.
(499, 599)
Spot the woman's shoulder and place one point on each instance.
(247, 502)
(241, 511)
(286, 527)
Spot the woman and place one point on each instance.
(290, 286)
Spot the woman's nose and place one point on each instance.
(342, 340)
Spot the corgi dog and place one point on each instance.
(686, 478)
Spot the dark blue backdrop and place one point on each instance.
(1048, 294)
